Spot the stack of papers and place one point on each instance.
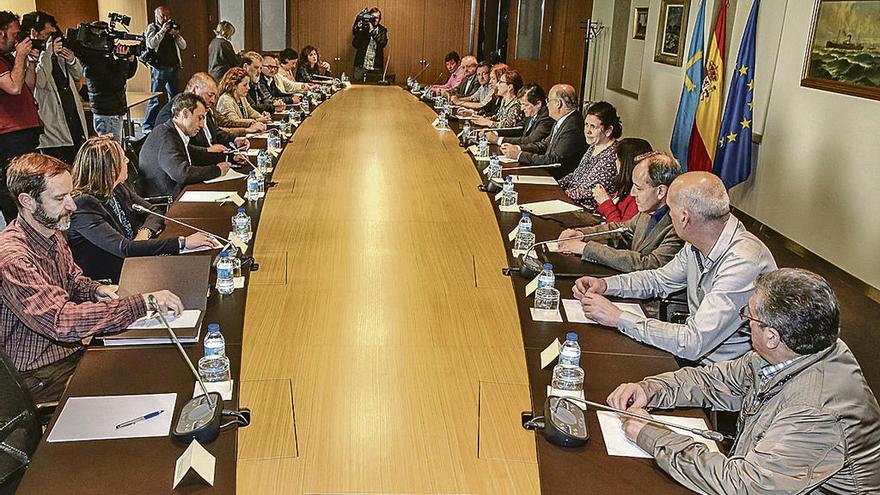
(551, 207)
(574, 311)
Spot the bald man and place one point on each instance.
(566, 143)
(164, 40)
(469, 84)
(718, 266)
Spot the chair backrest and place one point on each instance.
(20, 429)
(132, 152)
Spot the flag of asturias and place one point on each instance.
(708, 118)
(733, 160)
(690, 93)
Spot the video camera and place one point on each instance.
(103, 37)
(365, 17)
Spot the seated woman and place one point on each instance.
(622, 206)
(509, 113)
(538, 124)
(309, 65)
(602, 128)
(232, 108)
(105, 229)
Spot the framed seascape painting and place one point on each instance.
(640, 23)
(843, 54)
(671, 32)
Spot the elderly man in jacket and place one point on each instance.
(808, 423)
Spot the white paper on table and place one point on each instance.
(473, 149)
(532, 286)
(509, 209)
(617, 444)
(230, 175)
(550, 207)
(223, 388)
(550, 353)
(197, 459)
(517, 253)
(188, 319)
(534, 179)
(546, 315)
(254, 151)
(199, 249)
(238, 243)
(512, 234)
(552, 247)
(238, 282)
(574, 311)
(95, 418)
(258, 135)
(211, 197)
(567, 393)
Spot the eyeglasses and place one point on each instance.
(271, 67)
(744, 315)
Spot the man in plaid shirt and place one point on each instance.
(47, 306)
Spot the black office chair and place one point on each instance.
(20, 428)
(674, 308)
(132, 152)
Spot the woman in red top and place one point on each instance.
(621, 207)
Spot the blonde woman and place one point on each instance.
(105, 229)
(221, 54)
(233, 109)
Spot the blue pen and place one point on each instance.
(139, 419)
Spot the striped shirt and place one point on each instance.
(47, 305)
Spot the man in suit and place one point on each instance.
(260, 99)
(166, 162)
(566, 143)
(268, 83)
(533, 101)
(469, 84)
(654, 242)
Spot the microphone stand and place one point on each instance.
(531, 267)
(383, 82)
(416, 77)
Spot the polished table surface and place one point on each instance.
(381, 349)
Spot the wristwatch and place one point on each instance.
(181, 242)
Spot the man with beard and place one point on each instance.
(47, 306)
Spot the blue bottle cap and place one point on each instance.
(241, 210)
(509, 178)
(223, 254)
(526, 214)
(571, 336)
(548, 266)
(213, 327)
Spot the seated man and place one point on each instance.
(533, 101)
(252, 63)
(469, 84)
(654, 242)
(808, 422)
(566, 143)
(47, 306)
(166, 161)
(456, 73)
(484, 92)
(268, 83)
(718, 266)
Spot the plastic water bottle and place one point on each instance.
(508, 195)
(225, 284)
(484, 145)
(343, 77)
(254, 186)
(546, 278)
(568, 380)
(262, 161)
(295, 116)
(274, 141)
(525, 223)
(214, 366)
(304, 105)
(570, 354)
(241, 225)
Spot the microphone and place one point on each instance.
(383, 82)
(488, 129)
(416, 77)
(531, 267)
(199, 418)
(517, 167)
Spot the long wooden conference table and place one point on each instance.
(379, 346)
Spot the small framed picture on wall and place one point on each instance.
(640, 23)
(671, 32)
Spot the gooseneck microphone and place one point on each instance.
(219, 238)
(416, 77)
(531, 267)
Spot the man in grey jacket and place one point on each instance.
(808, 423)
(718, 266)
(653, 242)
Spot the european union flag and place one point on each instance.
(690, 93)
(733, 158)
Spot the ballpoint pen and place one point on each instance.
(137, 420)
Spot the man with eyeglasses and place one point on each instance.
(718, 266)
(268, 84)
(808, 422)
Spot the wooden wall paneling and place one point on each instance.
(557, 44)
(406, 35)
(447, 26)
(572, 61)
(69, 13)
(347, 11)
(316, 21)
(531, 70)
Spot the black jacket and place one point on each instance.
(567, 147)
(106, 79)
(533, 131)
(164, 167)
(360, 41)
(221, 58)
(96, 235)
(198, 144)
(260, 98)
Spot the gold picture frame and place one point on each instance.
(672, 32)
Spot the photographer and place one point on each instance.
(106, 76)
(369, 37)
(164, 41)
(59, 104)
(19, 121)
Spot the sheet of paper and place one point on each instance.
(241, 245)
(534, 179)
(498, 196)
(230, 175)
(517, 253)
(553, 247)
(551, 315)
(549, 354)
(574, 311)
(617, 444)
(512, 234)
(222, 388)
(197, 459)
(253, 151)
(473, 149)
(95, 418)
(238, 282)
(551, 207)
(211, 197)
(200, 249)
(188, 319)
(509, 209)
(258, 135)
(501, 159)
(566, 393)
(532, 286)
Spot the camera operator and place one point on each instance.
(58, 103)
(19, 121)
(164, 39)
(106, 77)
(369, 37)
